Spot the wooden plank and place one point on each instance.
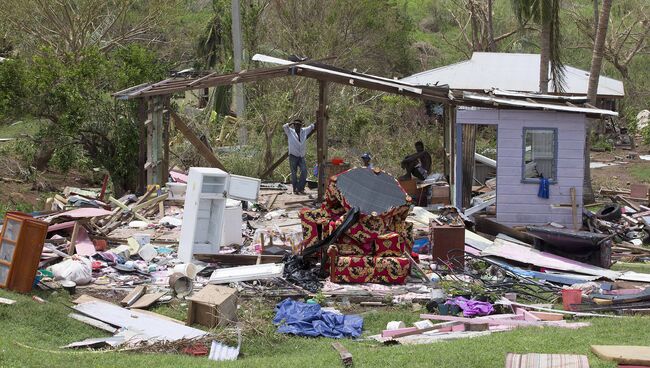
(164, 165)
(196, 142)
(468, 150)
(346, 356)
(321, 136)
(274, 165)
(547, 316)
(639, 355)
(574, 208)
(127, 209)
(73, 238)
(142, 145)
(134, 295)
(146, 300)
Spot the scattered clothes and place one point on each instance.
(535, 360)
(303, 319)
(472, 308)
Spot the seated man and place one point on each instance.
(417, 164)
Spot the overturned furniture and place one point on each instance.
(205, 205)
(372, 248)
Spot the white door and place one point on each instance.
(243, 188)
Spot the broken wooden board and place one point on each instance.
(134, 295)
(547, 316)
(146, 300)
(639, 355)
(346, 356)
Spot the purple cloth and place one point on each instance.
(472, 308)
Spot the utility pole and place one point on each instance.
(238, 89)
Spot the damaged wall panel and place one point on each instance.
(517, 201)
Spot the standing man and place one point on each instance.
(297, 139)
(365, 159)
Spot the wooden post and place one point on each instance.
(164, 166)
(321, 137)
(196, 142)
(142, 147)
(469, 148)
(155, 142)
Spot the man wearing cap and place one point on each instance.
(297, 139)
(365, 159)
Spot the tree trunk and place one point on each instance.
(544, 55)
(597, 56)
(490, 27)
(46, 148)
(595, 17)
(592, 92)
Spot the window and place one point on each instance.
(540, 154)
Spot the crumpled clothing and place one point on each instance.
(472, 308)
(303, 319)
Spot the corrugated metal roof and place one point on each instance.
(509, 71)
(498, 102)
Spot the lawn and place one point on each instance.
(641, 172)
(32, 334)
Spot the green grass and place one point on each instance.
(46, 327)
(636, 267)
(640, 172)
(19, 127)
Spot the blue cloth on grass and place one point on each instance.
(303, 319)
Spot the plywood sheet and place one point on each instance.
(639, 355)
(149, 325)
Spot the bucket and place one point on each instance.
(147, 252)
(187, 269)
(180, 284)
(571, 296)
(69, 286)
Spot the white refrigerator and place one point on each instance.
(205, 207)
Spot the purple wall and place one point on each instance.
(517, 202)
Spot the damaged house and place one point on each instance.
(538, 136)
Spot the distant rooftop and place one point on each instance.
(509, 71)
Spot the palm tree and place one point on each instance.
(545, 13)
(592, 91)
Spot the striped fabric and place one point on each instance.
(534, 360)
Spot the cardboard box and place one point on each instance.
(440, 191)
(440, 200)
(213, 306)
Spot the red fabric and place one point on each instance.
(389, 245)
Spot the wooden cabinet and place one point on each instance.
(21, 245)
(447, 243)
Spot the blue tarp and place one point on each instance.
(303, 319)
